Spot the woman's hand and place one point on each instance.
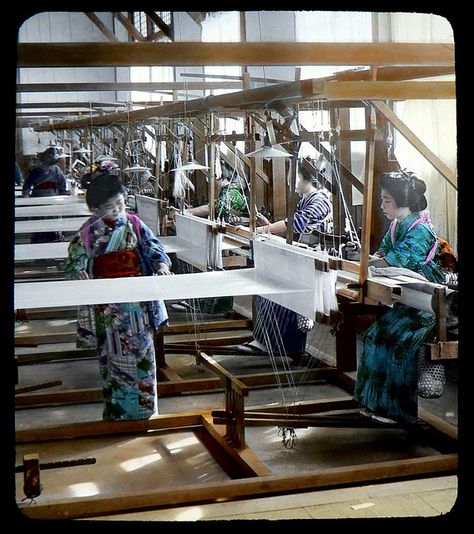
(262, 220)
(81, 275)
(161, 268)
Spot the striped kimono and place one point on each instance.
(275, 326)
(313, 212)
(122, 333)
(387, 371)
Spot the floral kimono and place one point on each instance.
(387, 371)
(122, 333)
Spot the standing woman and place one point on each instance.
(47, 178)
(387, 372)
(111, 244)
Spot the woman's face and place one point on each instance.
(113, 209)
(221, 182)
(302, 185)
(388, 205)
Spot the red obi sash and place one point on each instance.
(124, 262)
(45, 185)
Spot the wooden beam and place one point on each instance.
(104, 428)
(173, 387)
(165, 28)
(101, 26)
(189, 54)
(401, 127)
(247, 460)
(300, 90)
(123, 86)
(61, 105)
(230, 77)
(394, 73)
(267, 485)
(377, 90)
(370, 122)
(132, 31)
(383, 74)
(290, 91)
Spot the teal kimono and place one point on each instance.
(123, 333)
(387, 371)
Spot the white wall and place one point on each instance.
(66, 27)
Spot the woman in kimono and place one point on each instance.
(313, 212)
(47, 178)
(231, 205)
(111, 244)
(387, 372)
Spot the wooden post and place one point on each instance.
(368, 200)
(160, 349)
(440, 308)
(31, 476)
(212, 170)
(346, 340)
(290, 198)
(345, 158)
(157, 160)
(249, 147)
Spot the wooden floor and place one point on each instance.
(431, 497)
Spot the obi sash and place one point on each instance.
(124, 262)
(48, 184)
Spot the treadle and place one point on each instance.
(348, 419)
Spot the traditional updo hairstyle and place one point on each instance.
(406, 189)
(49, 156)
(307, 175)
(103, 187)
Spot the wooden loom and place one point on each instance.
(227, 427)
(442, 463)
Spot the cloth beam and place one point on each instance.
(53, 210)
(413, 292)
(145, 288)
(52, 200)
(44, 251)
(71, 224)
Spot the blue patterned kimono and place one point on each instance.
(122, 333)
(387, 372)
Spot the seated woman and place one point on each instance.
(313, 211)
(386, 382)
(231, 202)
(231, 206)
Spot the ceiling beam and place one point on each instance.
(59, 105)
(124, 86)
(394, 73)
(183, 53)
(132, 31)
(101, 26)
(414, 140)
(365, 90)
(165, 28)
(229, 77)
(298, 91)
